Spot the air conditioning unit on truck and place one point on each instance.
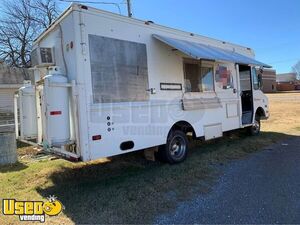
(106, 84)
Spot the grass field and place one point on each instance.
(129, 189)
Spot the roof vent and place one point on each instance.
(84, 7)
(149, 22)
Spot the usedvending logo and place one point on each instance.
(32, 210)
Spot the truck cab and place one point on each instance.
(254, 102)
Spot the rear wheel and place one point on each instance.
(255, 128)
(176, 148)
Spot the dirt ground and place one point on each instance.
(129, 189)
(285, 109)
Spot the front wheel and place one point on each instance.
(254, 130)
(176, 148)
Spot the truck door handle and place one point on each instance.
(151, 90)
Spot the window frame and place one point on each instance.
(254, 78)
(232, 77)
(200, 63)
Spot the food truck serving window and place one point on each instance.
(198, 78)
(119, 70)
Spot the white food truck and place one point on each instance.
(105, 84)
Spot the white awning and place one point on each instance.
(201, 51)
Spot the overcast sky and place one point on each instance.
(270, 27)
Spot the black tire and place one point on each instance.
(176, 148)
(255, 129)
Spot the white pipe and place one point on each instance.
(39, 115)
(16, 116)
(75, 115)
(8, 125)
(28, 142)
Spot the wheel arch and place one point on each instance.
(260, 112)
(184, 126)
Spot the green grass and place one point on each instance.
(128, 189)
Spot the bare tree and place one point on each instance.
(296, 69)
(45, 12)
(21, 22)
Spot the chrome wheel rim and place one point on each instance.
(177, 147)
(256, 126)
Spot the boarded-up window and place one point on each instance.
(119, 70)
